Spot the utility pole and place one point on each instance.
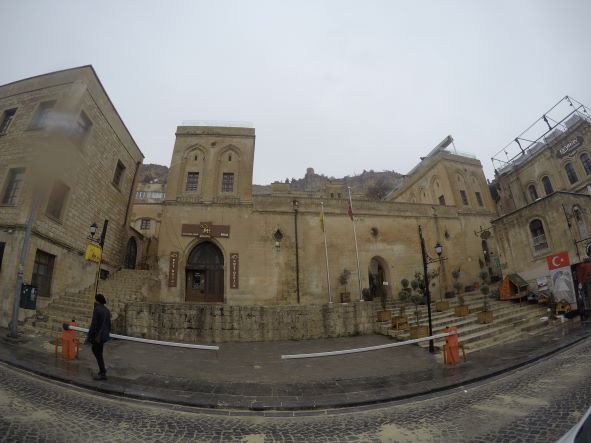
(296, 206)
(21, 263)
(101, 243)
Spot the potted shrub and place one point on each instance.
(442, 304)
(457, 284)
(384, 314)
(366, 294)
(344, 281)
(486, 315)
(462, 309)
(400, 321)
(417, 331)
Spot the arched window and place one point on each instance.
(533, 192)
(538, 235)
(571, 173)
(547, 185)
(586, 163)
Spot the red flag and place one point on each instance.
(350, 212)
(559, 260)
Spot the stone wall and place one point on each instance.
(206, 323)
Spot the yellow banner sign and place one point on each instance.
(93, 253)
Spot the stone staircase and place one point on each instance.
(122, 287)
(511, 322)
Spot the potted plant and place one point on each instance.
(384, 314)
(486, 315)
(462, 309)
(400, 321)
(344, 281)
(366, 294)
(442, 304)
(417, 331)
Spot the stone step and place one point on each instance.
(527, 330)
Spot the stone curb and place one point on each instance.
(242, 405)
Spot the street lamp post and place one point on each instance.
(426, 260)
(101, 242)
(296, 206)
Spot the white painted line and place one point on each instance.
(369, 348)
(152, 342)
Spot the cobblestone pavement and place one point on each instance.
(537, 403)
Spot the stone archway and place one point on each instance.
(204, 274)
(131, 254)
(378, 277)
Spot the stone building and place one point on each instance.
(220, 243)
(61, 136)
(542, 194)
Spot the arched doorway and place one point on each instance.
(205, 274)
(131, 255)
(378, 279)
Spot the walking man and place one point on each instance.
(98, 333)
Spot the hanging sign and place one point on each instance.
(93, 252)
(234, 270)
(173, 266)
(562, 279)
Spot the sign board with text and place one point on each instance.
(205, 230)
(173, 267)
(234, 270)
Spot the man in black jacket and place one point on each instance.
(98, 333)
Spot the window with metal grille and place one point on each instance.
(548, 189)
(442, 200)
(571, 173)
(43, 273)
(145, 223)
(479, 199)
(118, 173)
(192, 181)
(57, 200)
(464, 197)
(586, 163)
(13, 186)
(7, 118)
(533, 193)
(41, 117)
(538, 235)
(228, 182)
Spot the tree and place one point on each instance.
(378, 190)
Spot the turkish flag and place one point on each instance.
(559, 260)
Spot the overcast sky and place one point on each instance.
(339, 86)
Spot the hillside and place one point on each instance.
(375, 185)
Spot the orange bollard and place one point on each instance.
(451, 352)
(69, 343)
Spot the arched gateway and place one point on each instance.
(205, 274)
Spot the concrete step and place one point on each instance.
(527, 330)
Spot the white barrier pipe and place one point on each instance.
(369, 348)
(146, 340)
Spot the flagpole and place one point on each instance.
(356, 247)
(326, 254)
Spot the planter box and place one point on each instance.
(441, 306)
(469, 289)
(461, 311)
(384, 315)
(450, 294)
(419, 331)
(400, 322)
(485, 317)
(345, 297)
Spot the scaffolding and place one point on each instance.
(557, 120)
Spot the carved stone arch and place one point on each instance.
(189, 150)
(229, 148)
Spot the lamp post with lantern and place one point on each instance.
(101, 243)
(426, 261)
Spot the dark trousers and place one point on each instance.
(97, 350)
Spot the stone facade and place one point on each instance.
(214, 323)
(260, 229)
(68, 139)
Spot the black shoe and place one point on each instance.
(100, 376)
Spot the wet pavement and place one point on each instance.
(537, 403)
(252, 376)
